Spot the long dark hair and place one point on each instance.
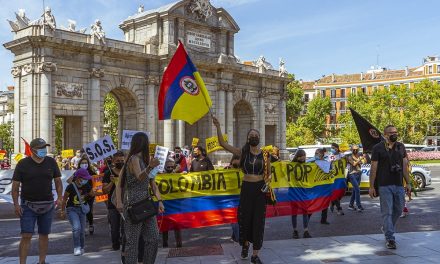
(298, 153)
(89, 165)
(246, 149)
(139, 144)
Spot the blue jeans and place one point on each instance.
(306, 218)
(77, 220)
(392, 200)
(355, 180)
(29, 218)
(235, 232)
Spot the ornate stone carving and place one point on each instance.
(21, 21)
(16, 71)
(154, 40)
(270, 108)
(201, 9)
(72, 27)
(284, 95)
(96, 72)
(68, 90)
(47, 67)
(262, 93)
(282, 72)
(231, 88)
(261, 62)
(28, 68)
(222, 87)
(97, 31)
(141, 9)
(48, 20)
(152, 79)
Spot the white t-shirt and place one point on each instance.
(74, 161)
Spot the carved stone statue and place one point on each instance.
(261, 62)
(72, 27)
(202, 9)
(47, 19)
(141, 9)
(97, 31)
(21, 21)
(282, 70)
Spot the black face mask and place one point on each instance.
(177, 156)
(169, 170)
(196, 155)
(119, 165)
(393, 138)
(254, 141)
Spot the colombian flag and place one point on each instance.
(182, 95)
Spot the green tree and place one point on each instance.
(314, 119)
(295, 102)
(6, 131)
(297, 135)
(59, 136)
(111, 118)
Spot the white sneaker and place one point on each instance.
(82, 251)
(77, 251)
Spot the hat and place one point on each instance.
(83, 174)
(38, 143)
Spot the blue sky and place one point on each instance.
(314, 37)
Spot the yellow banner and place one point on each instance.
(18, 157)
(213, 145)
(2, 156)
(97, 188)
(67, 153)
(228, 182)
(195, 141)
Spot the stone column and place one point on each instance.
(282, 124)
(95, 103)
(16, 72)
(168, 134)
(181, 133)
(262, 116)
(220, 105)
(230, 114)
(45, 109)
(152, 82)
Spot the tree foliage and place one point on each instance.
(111, 118)
(59, 136)
(6, 132)
(315, 118)
(295, 102)
(297, 135)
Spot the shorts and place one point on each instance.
(28, 219)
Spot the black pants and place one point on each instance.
(324, 215)
(252, 214)
(90, 214)
(114, 219)
(337, 204)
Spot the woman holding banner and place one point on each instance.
(252, 205)
(134, 185)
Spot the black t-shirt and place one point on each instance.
(36, 178)
(201, 165)
(386, 175)
(106, 179)
(73, 197)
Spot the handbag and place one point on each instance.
(40, 207)
(271, 199)
(85, 207)
(141, 210)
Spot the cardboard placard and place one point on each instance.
(126, 138)
(100, 149)
(2, 156)
(161, 154)
(213, 145)
(97, 188)
(67, 153)
(195, 141)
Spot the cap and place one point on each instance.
(83, 174)
(38, 143)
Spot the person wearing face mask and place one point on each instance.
(200, 162)
(300, 157)
(75, 195)
(324, 165)
(109, 181)
(33, 176)
(75, 160)
(234, 164)
(252, 204)
(180, 160)
(336, 155)
(354, 177)
(389, 166)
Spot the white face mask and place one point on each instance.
(84, 166)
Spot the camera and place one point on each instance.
(395, 168)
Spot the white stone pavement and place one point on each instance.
(412, 248)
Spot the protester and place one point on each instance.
(75, 160)
(180, 160)
(320, 156)
(389, 165)
(234, 164)
(336, 155)
(252, 205)
(109, 181)
(66, 164)
(300, 156)
(75, 200)
(275, 156)
(6, 165)
(354, 162)
(200, 162)
(134, 184)
(171, 167)
(33, 176)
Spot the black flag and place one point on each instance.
(369, 135)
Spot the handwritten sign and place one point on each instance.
(100, 149)
(97, 188)
(67, 153)
(161, 154)
(195, 142)
(126, 138)
(212, 143)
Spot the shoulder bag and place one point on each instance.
(85, 208)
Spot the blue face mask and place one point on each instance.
(317, 157)
(333, 151)
(41, 153)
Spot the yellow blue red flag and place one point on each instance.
(183, 94)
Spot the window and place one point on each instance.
(386, 87)
(322, 93)
(353, 90)
(375, 88)
(364, 90)
(343, 93)
(332, 119)
(333, 93)
(342, 106)
(430, 69)
(306, 98)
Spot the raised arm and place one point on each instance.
(222, 142)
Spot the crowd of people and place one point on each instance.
(129, 180)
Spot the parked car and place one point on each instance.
(432, 148)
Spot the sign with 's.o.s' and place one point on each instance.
(100, 149)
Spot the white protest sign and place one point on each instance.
(185, 152)
(126, 138)
(100, 149)
(161, 154)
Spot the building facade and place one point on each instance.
(67, 73)
(6, 102)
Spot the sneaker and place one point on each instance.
(256, 260)
(404, 214)
(340, 212)
(77, 251)
(295, 234)
(245, 251)
(351, 207)
(360, 208)
(391, 244)
(307, 234)
(82, 251)
(91, 229)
